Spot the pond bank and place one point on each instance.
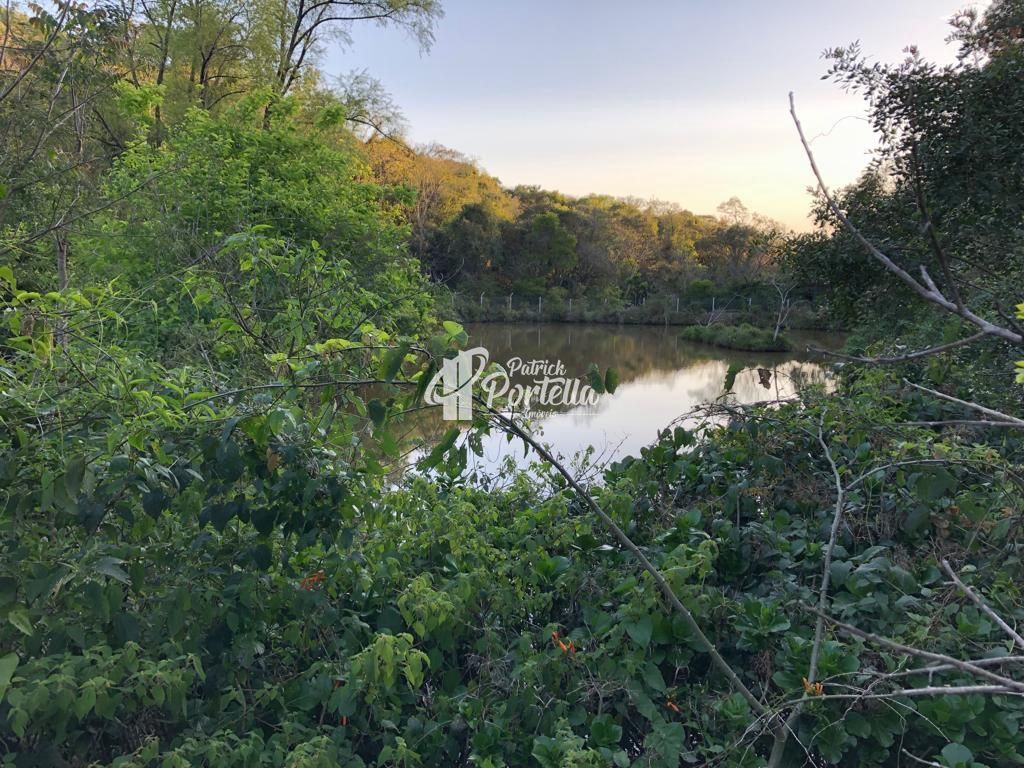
(642, 314)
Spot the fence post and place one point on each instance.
(481, 300)
(510, 302)
(677, 303)
(540, 304)
(570, 306)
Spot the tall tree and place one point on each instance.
(297, 28)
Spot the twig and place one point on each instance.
(963, 666)
(782, 735)
(963, 422)
(917, 693)
(978, 601)
(919, 760)
(928, 229)
(900, 358)
(997, 415)
(992, 661)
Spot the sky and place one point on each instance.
(681, 100)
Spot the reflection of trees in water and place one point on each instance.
(635, 352)
(660, 378)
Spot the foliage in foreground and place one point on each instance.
(192, 580)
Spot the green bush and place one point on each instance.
(700, 289)
(745, 337)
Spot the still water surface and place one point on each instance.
(661, 377)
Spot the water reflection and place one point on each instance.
(661, 377)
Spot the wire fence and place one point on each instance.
(667, 309)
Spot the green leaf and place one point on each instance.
(74, 471)
(263, 519)
(262, 556)
(8, 590)
(857, 725)
(392, 362)
(667, 740)
(8, 664)
(933, 485)
(604, 731)
(229, 428)
(437, 454)
(547, 752)
(154, 502)
(654, 678)
(19, 620)
(730, 375)
(424, 381)
(378, 412)
(85, 702)
(957, 756)
(611, 381)
(455, 331)
(640, 630)
(111, 566)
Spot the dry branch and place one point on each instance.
(995, 415)
(978, 601)
(964, 666)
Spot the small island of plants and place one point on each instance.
(745, 337)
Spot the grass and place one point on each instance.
(745, 337)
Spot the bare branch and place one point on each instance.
(961, 422)
(782, 735)
(985, 607)
(929, 292)
(964, 666)
(915, 693)
(901, 358)
(918, 760)
(928, 229)
(933, 669)
(995, 415)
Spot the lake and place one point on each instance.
(661, 377)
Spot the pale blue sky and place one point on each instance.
(685, 101)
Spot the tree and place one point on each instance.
(296, 28)
(734, 253)
(471, 244)
(56, 67)
(444, 182)
(550, 248)
(949, 138)
(734, 211)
